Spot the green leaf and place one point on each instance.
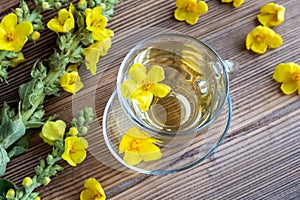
(20, 146)
(11, 131)
(5, 185)
(4, 159)
(12, 127)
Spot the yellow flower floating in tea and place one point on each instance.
(236, 3)
(271, 14)
(64, 22)
(143, 86)
(137, 146)
(289, 75)
(93, 190)
(261, 38)
(189, 10)
(13, 36)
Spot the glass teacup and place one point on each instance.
(189, 112)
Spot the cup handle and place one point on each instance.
(231, 68)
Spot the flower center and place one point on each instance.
(260, 38)
(9, 37)
(72, 149)
(146, 85)
(96, 197)
(135, 144)
(96, 23)
(191, 7)
(296, 76)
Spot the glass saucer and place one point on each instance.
(183, 155)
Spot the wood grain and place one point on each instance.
(260, 156)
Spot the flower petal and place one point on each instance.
(144, 98)
(87, 194)
(23, 29)
(275, 41)
(9, 22)
(91, 59)
(128, 87)
(137, 72)
(258, 47)
(125, 143)
(289, 87)
(202, 7)
(131, 158)
(160, 90)
(237, 3)
(192, 18)
(156, 74)
(281, 74)
(137, 133)
(180, 14)
(150, 152)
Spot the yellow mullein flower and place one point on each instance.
(271, 14)
(53, 131)
(13, 36)
(20, 59)
(261, 38)
(27, 181)
(289, 75)
(189, 10)
(236, 3)
(64, 22)
(75, 150)
(142, 87)
(93, 190)
(70, 82)
(96, 23)
(94, 51)
(137, 146)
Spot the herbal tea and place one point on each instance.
(192, 80)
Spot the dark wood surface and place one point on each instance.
(259, 158)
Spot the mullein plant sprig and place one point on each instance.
(69, 146)
(19, 26)
(82, 37)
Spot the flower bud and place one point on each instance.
(37, 198)
(10, 194)
(49, 159)
(83, 130)
(46, 180)
(80, 121)
(35, 35)
(19, 12)
(57, 5)
(73, 131)
(46, 5)
(82, 3)
(103, 6)
(27, 182)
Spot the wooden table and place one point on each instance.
(259, 158)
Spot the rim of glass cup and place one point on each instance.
(126, 107)
(137, 169)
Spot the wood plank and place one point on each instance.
(260, 156)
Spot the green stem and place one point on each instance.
(27, 114)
